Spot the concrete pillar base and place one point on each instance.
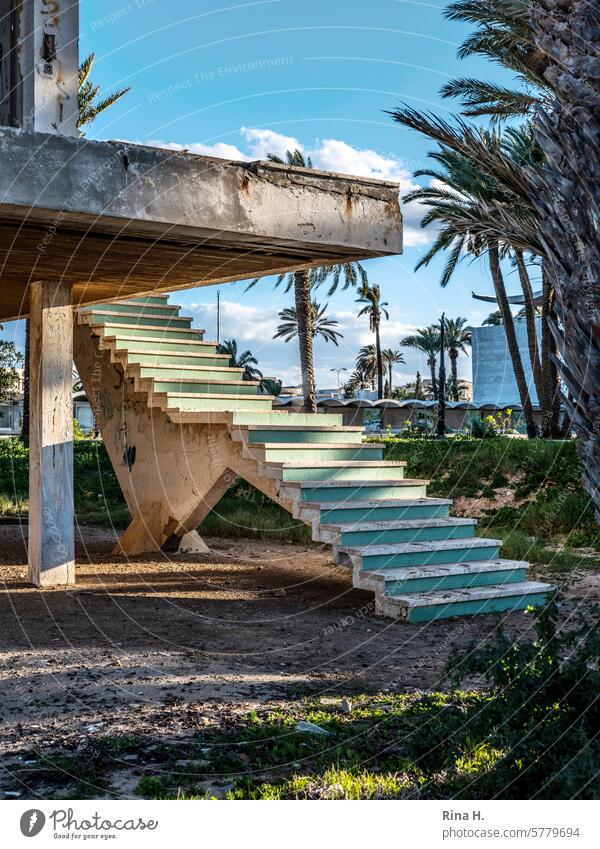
(192, 543)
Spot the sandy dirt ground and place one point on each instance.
(163, 647)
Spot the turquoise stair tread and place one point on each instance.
(353, 484)
(161, 330)
(399, 525)
(300, 446)
(455, 596)
(422, 547)
(161, 309)
(278, 417)
(366, 504)
(161, 352)
(109, 312)
(142, 299)
(338, 464)
(156, 301)
(171, 395)
(309, 428)
(439, 571)
(195, 369)
(182, 381)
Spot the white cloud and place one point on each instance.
(245, 322)
(263, 142)
(220, 149)
(336, 155)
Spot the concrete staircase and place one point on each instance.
(420, 562)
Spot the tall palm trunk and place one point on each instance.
(25, 419)
(551, 421)
(511, 337)
(379, 360)
(302, 296)
(566, 192)
(534, 355)
(432, 363)
(417, 386)
(390, 378)
(453, 356)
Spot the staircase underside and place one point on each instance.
(181, 425)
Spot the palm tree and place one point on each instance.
(426, 340)
(494, 319)
(270, 386)
(458, 338)
(375, 308)
(302, 282)
(359, 379)
(243, 360)
(88, 112)
(565, 196)
(504, 35)
(478, 212)
(391, 358)
(321, 325)
(366, 364)
(89, 108)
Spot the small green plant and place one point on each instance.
(480, 429)
(78, 431)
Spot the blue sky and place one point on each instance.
(243, 79)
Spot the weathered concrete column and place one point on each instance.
(44, 36)
(51, 514)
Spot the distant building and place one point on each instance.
(11, 415)
(10, 418)
(493, 376)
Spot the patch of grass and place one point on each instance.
(461, 467)
(246, 513)
(334, 783)
(78, 776)
(519, 546)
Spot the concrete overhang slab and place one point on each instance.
(117, 219)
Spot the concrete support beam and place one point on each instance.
(47, 53)
(119, 219)
(51, 512)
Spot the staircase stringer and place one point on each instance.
(171, 475)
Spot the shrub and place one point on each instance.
(542, 713)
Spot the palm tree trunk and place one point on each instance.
(453, 354)
(25, 419)
(390, 378)
(511, 337)
(379, 362)
(566, 201)
(551, 420)
(532, 341)
(302, 295)
(431, 362)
